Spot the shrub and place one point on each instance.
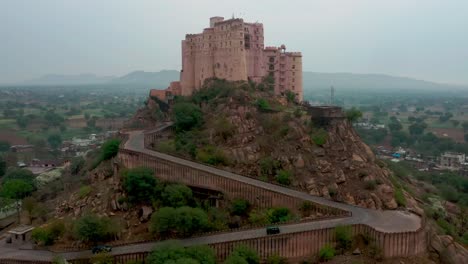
(163, 221)
(268, 165)
(240, 207)
(353, 114)
(77, 165)
(332, 191)
(290, 96)
(280, 214)
(168, 146)
(448, 228)
(187, 116)
(306, 208)
(212, 155)
(84, 191)
(184, 220)
(319, 137)
(140, 184)
(297, 112)
(109, 149)
(343, 237)
(223, 128)
(191, 220)
(326, 253)
(102, 258)
(257, 217)
(276, 259)
(246, 253)
(176, 195)
(173, 252)
(370, 185)
(283, 177)
(91, 228)
(263, 104)
(400, 197)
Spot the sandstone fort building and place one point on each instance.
(234, 50)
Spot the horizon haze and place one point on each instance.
(419, 39)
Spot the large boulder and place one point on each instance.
(387, 196)
(449, 251)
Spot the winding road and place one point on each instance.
(387, 221)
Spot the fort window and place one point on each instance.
(294, 66)
(241, 42)
(272, 59)
(247, 41)
(272, 67)
(293, 87)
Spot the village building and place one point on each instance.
(234, 50)
(452, 160)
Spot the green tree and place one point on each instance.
(353, 114)
(191, 220)
(140, 184)
(280, 214)
(91, 228)
(16, 189)
(283, 177)
(55, 141)
(187, 116)
(163, 221)
(417, 128)
(244, 252)
(203, 254)
(240, 207)
(110, 149)
(53, 119)
(343, 237)
(176, 195)
(395, 125)
(77, 165)
(172, 252)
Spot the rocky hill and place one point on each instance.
(244, 128)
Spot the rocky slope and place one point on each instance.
(262, 135)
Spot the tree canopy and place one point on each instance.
(140, 184)
(187, 116)
(16, 189)
(171, 252)
(110, 149)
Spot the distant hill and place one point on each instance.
(313, 81)
(351, 81)
(60, 79)
(158, 80)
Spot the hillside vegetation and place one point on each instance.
(244, 128)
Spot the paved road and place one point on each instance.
(388, 221)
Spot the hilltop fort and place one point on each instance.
(234, 50)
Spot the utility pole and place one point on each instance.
(332, 95)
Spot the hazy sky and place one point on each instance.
(423, 39)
